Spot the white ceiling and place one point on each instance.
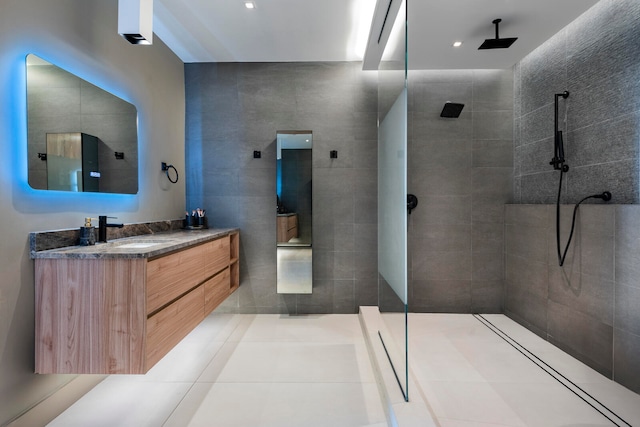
(337, 30)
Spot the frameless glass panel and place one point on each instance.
(392, 198)
(294, 215)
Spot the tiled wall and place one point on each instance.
(461, 170)
(588, 307)
(595, 58)
(234, 109)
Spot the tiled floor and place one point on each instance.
(246, 370)
(271, 370)
(472, 377)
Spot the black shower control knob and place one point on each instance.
(412, 202)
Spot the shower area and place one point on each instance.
(496, 230)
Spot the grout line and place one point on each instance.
(571, 386)
(616, 209)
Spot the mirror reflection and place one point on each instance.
(294, 213)
(80, 137)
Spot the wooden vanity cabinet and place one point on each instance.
(287, 227)
(122, 315)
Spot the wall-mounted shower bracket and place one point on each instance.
(558, 145)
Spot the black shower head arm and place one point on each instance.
(497, 22)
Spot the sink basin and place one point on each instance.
(138, 244)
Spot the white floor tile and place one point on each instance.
(282, 405)
(124, 402)
(549, 405)
(298, 362)
(470, 401)
(306, 328)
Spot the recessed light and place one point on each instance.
(249, 5)
(457, 44)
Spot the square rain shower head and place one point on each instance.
(451, 110)
(498, 43)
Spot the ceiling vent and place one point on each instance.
(135, 21)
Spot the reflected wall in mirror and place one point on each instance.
(294, 214)
(62, 106)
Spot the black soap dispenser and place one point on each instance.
(87, 233)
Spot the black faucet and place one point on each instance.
(102, 227)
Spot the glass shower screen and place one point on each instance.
(392, 197)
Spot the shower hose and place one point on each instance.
(606, 196)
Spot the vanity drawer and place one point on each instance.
(170, 276)
(217, 256)
(216, 290)
(292, 221)
(166, 328)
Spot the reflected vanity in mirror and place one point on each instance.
(80, 137)
(294, 214)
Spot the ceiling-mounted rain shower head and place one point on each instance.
(451, 110)
(497, 43)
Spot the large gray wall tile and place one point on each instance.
(492, 90)
(448, 296)
(492, 153)
(626, 364)
(627, 245)
(582, 336)
(627, 301)
(487, 297)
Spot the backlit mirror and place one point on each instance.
(80, 137)
(294, 214)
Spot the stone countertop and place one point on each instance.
(144, 246)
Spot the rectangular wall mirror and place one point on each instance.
(80, 137)
(294, 214)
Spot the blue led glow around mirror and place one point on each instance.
(14, 173)
(64, 113)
